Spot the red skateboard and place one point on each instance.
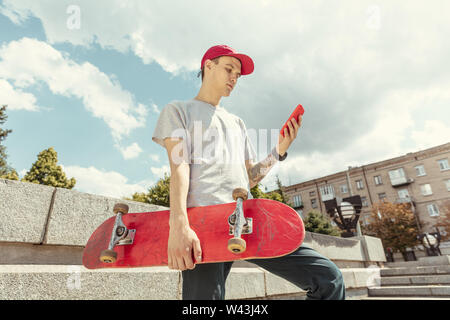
(241, 230)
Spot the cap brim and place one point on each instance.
(247, 65)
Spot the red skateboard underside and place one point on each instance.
(277, 230)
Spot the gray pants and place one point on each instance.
(305, 267)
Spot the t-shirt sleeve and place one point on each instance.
(249, 151)
(171, 124)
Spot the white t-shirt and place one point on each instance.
(216, 145)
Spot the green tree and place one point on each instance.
(6, 172)
(159, 194)
(318, 223)
(257, 193)
(12, 175)
(46, 171)
(284, 198)
(277, 195)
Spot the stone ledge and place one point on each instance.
(245, 283)
(24, 209)
(76, 215)
(37, 214)
(77, 283)
(18, 282)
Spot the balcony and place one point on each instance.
(297, 205)
(407, 200)
(400, 181)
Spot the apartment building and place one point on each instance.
(420, 178)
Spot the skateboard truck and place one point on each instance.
(120, 235)
(239, 225)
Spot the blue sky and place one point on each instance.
(373, 77)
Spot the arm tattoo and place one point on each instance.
(261, 169)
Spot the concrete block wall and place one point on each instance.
(43, 231)
(40, 214)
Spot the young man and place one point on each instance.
(186, 129)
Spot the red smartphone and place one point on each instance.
(297, 112)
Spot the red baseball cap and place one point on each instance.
(247, 65)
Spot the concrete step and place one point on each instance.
(429, 270)
(422, 262)
(416, 280)
(415, 291)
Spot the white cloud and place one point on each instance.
(16, 16)
(155, 108)
(105, 183)
(16, 99)
(154, 157)
(22, 173)
(405, 122)
(130, 152)
(28, 61)
(159, 172)
(373, 76)
(433, 133)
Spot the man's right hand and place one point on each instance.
(182, 242)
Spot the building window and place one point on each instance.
(300, 212)
(447, 183)
(378, 180)
(327, 192)
(425, 189)
(344, 188)
(443, 164)
(433, 210)
(359, 184)
(312, 193)
(398, 174)
(382, 196)
(364, 202)
(403, 193)
(297, 200)
(420, 171)
(314, 203)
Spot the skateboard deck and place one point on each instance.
(275, 230)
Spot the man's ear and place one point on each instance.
(208, 64)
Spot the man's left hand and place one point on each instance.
(289, 136)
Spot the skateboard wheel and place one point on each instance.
(108, 256)
(236, 245)
(120, 207)
(240, 193)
